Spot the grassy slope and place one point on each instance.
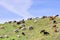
(32, 34)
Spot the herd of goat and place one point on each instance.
(22, 26)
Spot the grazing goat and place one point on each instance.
(22, 25)
(30, 27)
(23, 28)
(16, 31)
(29, 18)
(10, 22)
(6, 36)
(1, 36)
(57, 15)
(18, 23)
(44, 32)
(18, 36)
(54, 21)
(14, 21)
(2, 27)
(23, 33)
(44, 17)
(52, 17)
(22, 21)
(35, 21)
(54, 28)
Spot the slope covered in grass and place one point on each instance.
(32, 34)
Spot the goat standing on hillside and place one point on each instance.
(52, 17)
(54, 28)
(23, 33)
(30, 27)
(54, 22)
(44, 32)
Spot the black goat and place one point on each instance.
(14, 21)
(44, 32)
(23, 33)
(18, 23)
(54, 21)
(10, 22)
(57, 15)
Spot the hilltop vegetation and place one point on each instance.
(34, 34)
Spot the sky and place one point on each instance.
(23, 9)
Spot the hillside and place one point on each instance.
(34, 34)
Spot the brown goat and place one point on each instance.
(54, 28)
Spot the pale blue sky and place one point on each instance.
(45, 7)
(19, 9)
